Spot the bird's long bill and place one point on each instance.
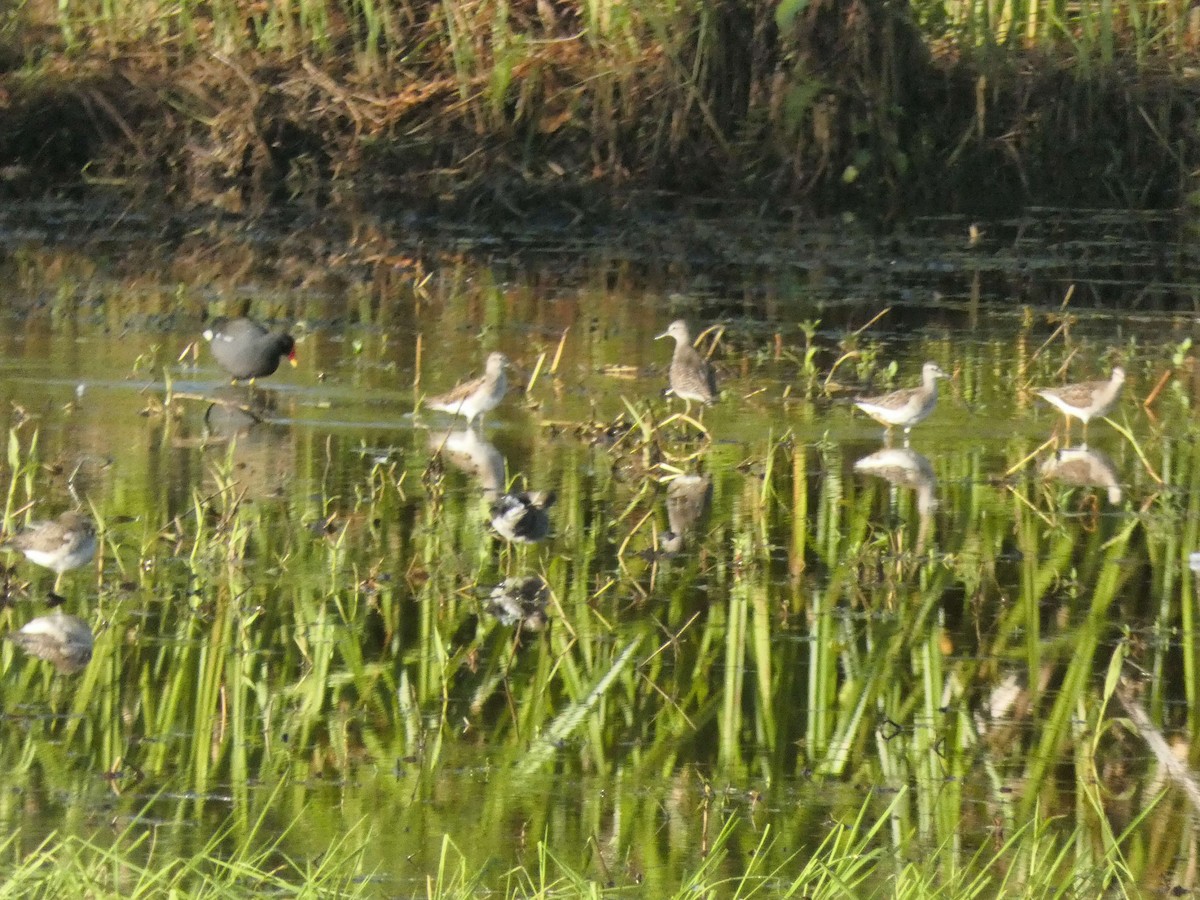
(292, 358)
(659, 337)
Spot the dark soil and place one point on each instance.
(893, 130)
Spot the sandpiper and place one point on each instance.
(247, 350)
(691, 377)
(907, 406)
(62, 639)
(474, 398)
(1085, 400)
(61, 544)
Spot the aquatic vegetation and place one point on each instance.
(130, 863)
(780, 656)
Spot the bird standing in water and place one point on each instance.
(907, 406)
(691, 377)
(1085, 400)
(474, 398)
(60, 545)
(247, 350)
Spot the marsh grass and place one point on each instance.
(830, 679)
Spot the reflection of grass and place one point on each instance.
(328, 638)
(846, 861)
(233, 861)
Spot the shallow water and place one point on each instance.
(291, 607)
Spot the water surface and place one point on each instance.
(291, 604)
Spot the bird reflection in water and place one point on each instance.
(59, 638)
(517, 516)
(470, 452)
(242, 416)
(1083, 467)
(236, 411)
(520, 601)
(903, 467)
(688, 500)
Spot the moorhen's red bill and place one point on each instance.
(246, 349)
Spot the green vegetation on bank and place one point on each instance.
(547, 108)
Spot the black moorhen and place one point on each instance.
(246, 349)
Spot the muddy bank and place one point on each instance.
(850, 107)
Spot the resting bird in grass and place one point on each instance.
(520, 516)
